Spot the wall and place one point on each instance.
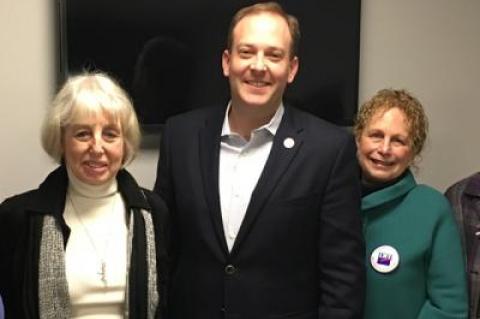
(430, 47)
(26, 64)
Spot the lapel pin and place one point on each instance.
(385, 259)
(288, 142)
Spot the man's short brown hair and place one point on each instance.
(267, 7)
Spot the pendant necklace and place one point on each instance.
(102, 272)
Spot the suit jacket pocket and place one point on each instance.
(298, 201)
(296, 315)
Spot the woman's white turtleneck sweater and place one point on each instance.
(97, 219)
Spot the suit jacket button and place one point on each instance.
(230, 269)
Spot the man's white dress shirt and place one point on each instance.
(241, 164)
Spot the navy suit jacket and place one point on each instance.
(299, 252)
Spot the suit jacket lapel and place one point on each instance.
(277, 163)
(209, 149)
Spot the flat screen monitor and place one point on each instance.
(167, 54)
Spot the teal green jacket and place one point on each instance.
(429, 281)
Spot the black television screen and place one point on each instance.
(167, 54)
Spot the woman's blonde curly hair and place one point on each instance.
(387, 99)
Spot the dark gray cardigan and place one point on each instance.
(465, 199)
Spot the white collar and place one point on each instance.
(272, 126)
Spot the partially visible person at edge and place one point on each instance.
(88, 242)
(464, 196)
(265, 198)
(415, 265)
(1, 308)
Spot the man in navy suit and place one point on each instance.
(265, 198)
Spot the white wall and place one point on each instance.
(26, 84)
(431, 47)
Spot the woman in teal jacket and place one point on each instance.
(415, 264)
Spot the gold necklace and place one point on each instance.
(103, 264)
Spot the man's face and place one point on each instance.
(258, 64)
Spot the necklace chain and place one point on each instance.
(103, 265)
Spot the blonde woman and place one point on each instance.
(88, 242)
